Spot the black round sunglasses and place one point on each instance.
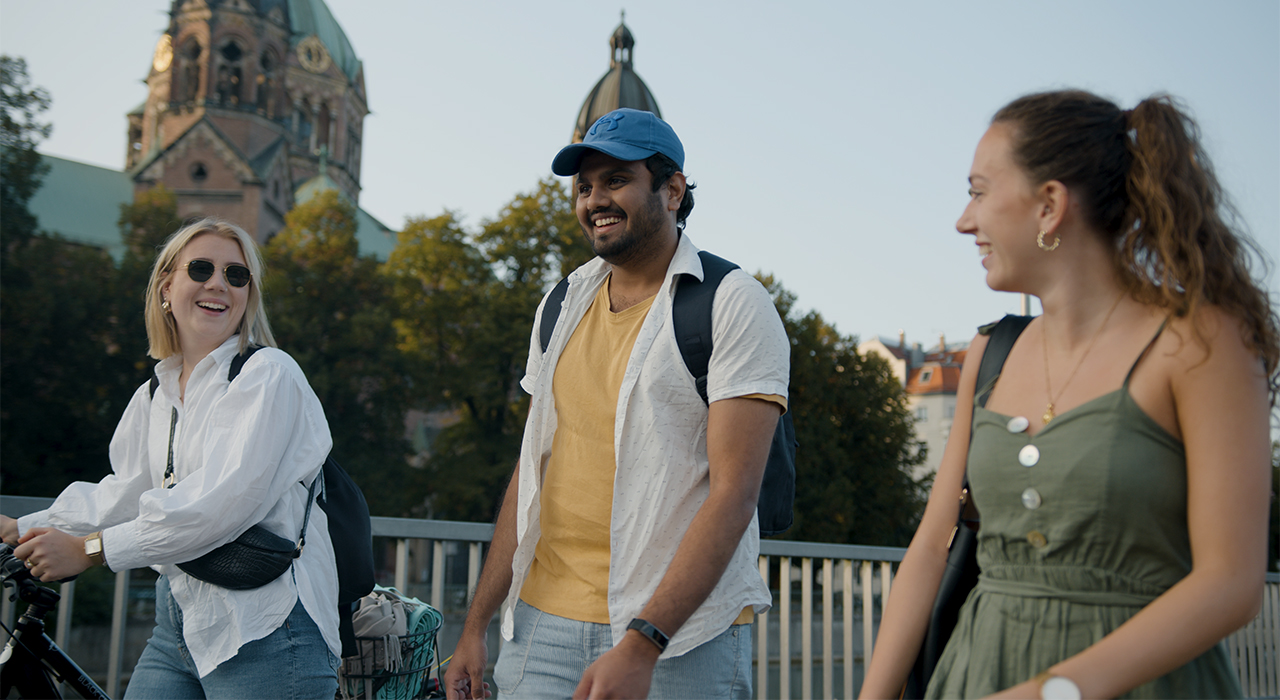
(237, 275)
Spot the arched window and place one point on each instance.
(229, 73)
(188, 73)
(322, 126)
(266, 88)
(303, 116)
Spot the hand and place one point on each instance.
(624, 671)
(9, 531)
(464, 678)
(52, 554)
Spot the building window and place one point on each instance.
(199, 173)
(949, 411)
(230, 74)
(926, 375)
(922, 414)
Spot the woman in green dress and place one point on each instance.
(1121, 460)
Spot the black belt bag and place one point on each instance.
(252, 560)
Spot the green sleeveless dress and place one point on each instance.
(1083, 524)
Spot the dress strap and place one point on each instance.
(1143, 354)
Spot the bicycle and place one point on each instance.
(31, 662)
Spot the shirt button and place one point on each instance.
(1037, 539)
(1029, 455)
(1018, 424)
(1031, 499)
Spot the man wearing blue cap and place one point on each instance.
(626, 546)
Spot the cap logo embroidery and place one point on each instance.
(612, 119)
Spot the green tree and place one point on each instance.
(466, 306)
(331, 310)
(57, 404)
(857, 446)
(21, 168)
(144, 224)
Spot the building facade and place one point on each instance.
(931, 379)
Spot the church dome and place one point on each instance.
(620, 87)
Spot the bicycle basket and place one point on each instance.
(394, 666)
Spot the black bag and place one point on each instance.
(961, 573)
(691, 318)
(350, 530)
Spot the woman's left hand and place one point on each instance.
(52, 554)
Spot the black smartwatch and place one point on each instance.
(651, 633)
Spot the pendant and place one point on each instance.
(1048, 414)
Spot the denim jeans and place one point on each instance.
(548, 655)
(292, 662)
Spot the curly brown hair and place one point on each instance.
(1146, 181)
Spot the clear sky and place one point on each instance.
(830, 140)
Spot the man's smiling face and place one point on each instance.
(620, 214)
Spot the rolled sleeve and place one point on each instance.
(752, 354)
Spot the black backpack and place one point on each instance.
(350, 529)
(691, 317)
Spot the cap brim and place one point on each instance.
(570, 157)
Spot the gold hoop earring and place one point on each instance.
(165, 305)
(1047, 248)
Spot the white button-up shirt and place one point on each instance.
(244, 453)
(660, 443)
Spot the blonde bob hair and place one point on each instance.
(162, 333)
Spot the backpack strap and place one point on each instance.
(237, 364)
(691, 316)
(551, 312)
(1001, 336)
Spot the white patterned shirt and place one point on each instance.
(244, 453)
(660, 442)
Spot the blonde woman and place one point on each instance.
(1121, 461)
(195, 463)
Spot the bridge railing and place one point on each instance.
(813, 642)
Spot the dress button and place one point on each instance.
(1037, 539)
(1031, 499)
(1029, 455)
(1018, 424)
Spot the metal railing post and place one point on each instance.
(828, 622)
(784, 628)
(437, 575)
(119, 625)
(762, 640)
(846, 578)
(473, 570)
(402, 565)
(868, 613)
(806, 628)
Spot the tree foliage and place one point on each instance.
(21, 168)
(857, 445)
(466, 305)
(331, 310)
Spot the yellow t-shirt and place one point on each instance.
(569, 576)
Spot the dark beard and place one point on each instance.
(639, 240)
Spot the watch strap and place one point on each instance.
(652, 633)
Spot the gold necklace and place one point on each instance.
(1044, 331)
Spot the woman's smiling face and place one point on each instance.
(1002, 213)
(206, 313)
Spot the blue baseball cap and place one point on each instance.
(625, 134)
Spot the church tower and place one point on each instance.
(247, 101)
(620, 86)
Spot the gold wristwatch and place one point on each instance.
(93, 549)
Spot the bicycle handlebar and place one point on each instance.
(14, 572)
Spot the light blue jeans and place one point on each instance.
(292, 662)
(548, 655)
